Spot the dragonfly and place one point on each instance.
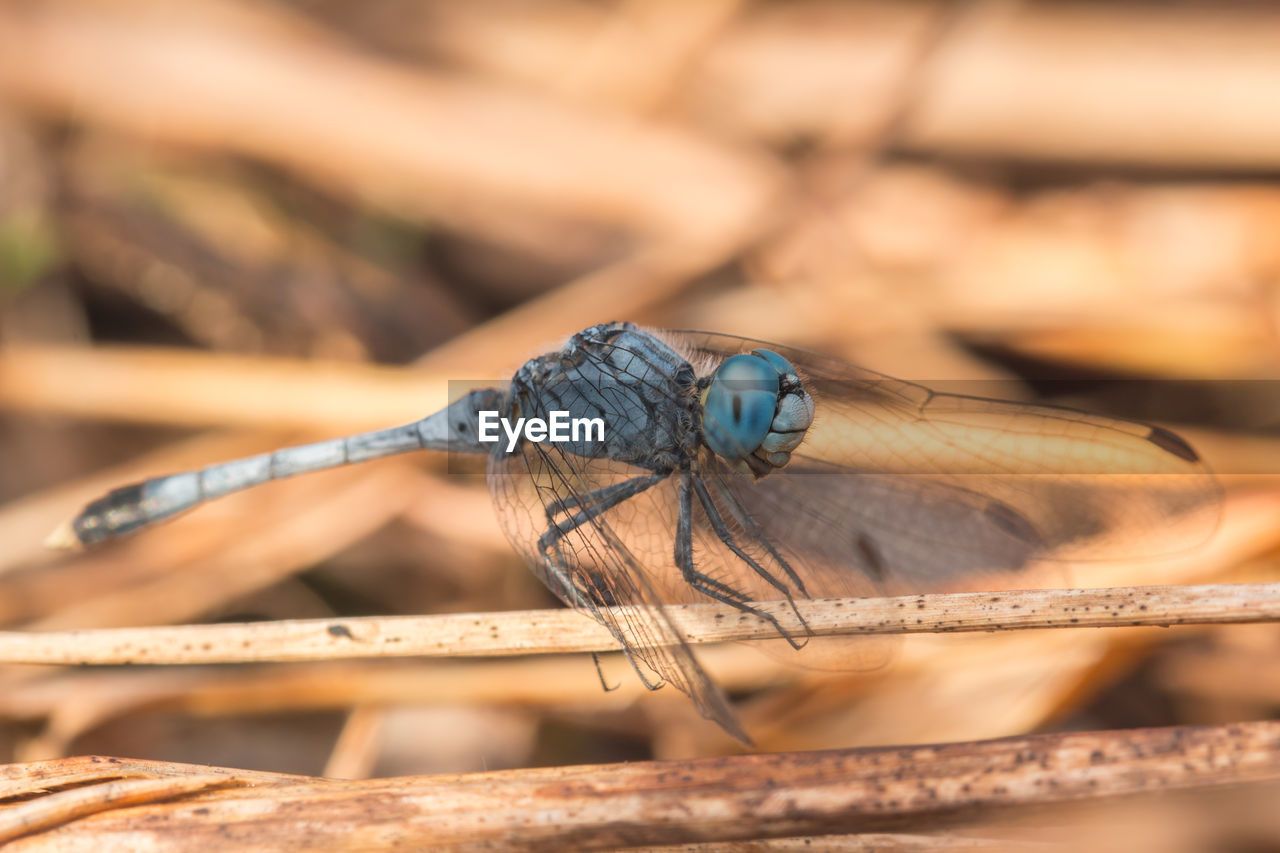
(738, 471)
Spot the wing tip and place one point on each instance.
(727, 720)
(1171, 442)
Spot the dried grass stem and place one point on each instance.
(558, 631)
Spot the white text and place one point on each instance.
(560, 428)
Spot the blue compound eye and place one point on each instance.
(779, 363)
(738, 407)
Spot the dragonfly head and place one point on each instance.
(755, 411)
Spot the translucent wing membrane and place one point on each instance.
(943, 485)
(895, 489)
(851, 534)
(595, 555)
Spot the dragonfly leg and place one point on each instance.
(722, 530)
(595, 658)
(625, 489)
(744, 518)
(594, 504)
(708, 585)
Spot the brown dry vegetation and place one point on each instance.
(227, 226)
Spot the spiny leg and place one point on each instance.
(595, 659)
(684, 552)
(706, 584)
(744, 518)
(722, 531)
(602, 495)
(597, 503)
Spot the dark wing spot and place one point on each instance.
(1172, 443)
(871, 556)
(1012, 523)
(337, 629)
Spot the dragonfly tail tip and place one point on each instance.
(63, 538)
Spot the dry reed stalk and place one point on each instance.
(627, 289)
(75, 701)
(644, 803)
(216, 73)
(1144, 307)
(190, 388)
(1069, 81)
(1156, 279)
(51, 810)
(559, 631)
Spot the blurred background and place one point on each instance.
(229, 226)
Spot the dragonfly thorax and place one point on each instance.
(755, 411)
(644, 392)
(752, 411)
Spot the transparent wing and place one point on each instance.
(896, 489)
(851, 534)
(921, 491)
(621, 555)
